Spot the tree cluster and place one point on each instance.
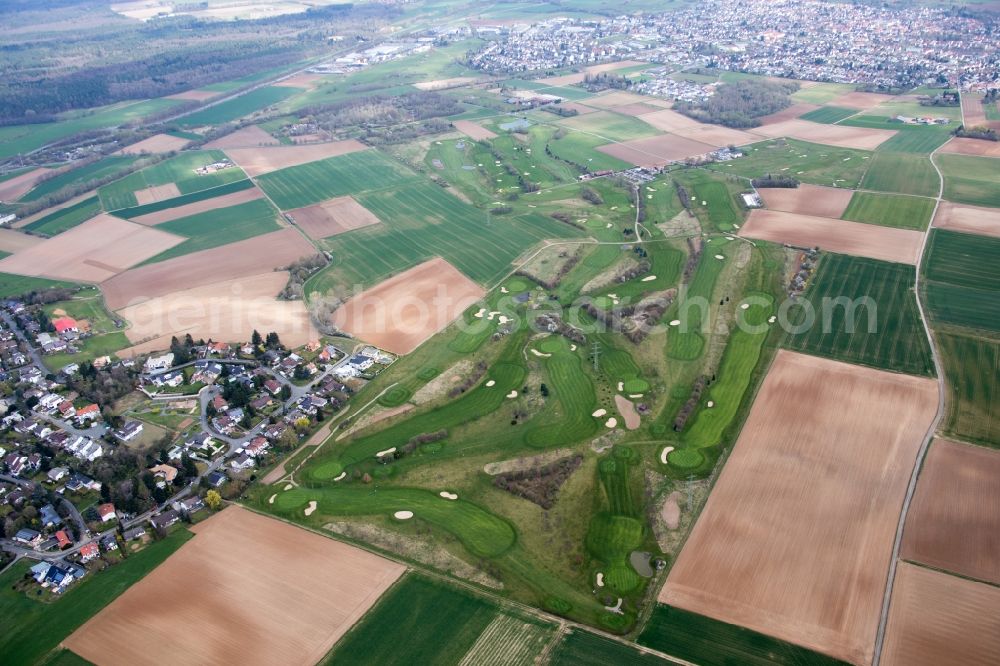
(539, 485)
(776, 180)
(740, 104)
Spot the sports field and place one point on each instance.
(972, 366)
(220, 592)
(903, 173)
(970, 180)
(234, 109)
(839, 293)
(307, 184)
(890, 210)
(814, 488)
(963, 285)
(179, 171)
(66, 218)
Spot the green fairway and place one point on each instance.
(15, 139)
(844, 316)
(963, 283)
(179, 170)
(236, 108)
(580, 148)
(890, 210)
(970, 180)
(18, 285)
(972, 367)
(219, 227)
(430, 622)
(102, 168)
(829, 114)
(610, 126)
(482, 533)
(902, 173)
(702, 640)
(353, 173)
(66, 218)
(582, 648)
(184, 199)
(33, 628)
(420, 221)
(808, 162)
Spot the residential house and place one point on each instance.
(109, 543)
(220, 404)
(88, 552)
(63, 540)
(57, 473)
(206, 372)
(242, 462)
(272, 386)
(66, 409)
(189, 505)
(39, 571)
(170, 379)
(263, 402)
(66, 325)
(216, 479)
(165, 472)
(165, 519)
(106, 512)
(48, 517)
(80, 483)
(87, 414)
(256, 447)
(158, 363)
(15, 463)
(129, 431)
(28, 536)
(134, 533)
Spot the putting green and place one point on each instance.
(685, 458)
(636, 385)
(550, 345)
(327, 470)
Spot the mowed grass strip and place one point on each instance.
(179, 170)
(971, 180)
(66, 218)
(236, 108)
(419, 621)
(219, 227)
(901, 173)
(890, 210)
(353, 173)
(963, 282)
(702, 640)
(878, 296)
(420, 221)
(972, 367)
(32, 628)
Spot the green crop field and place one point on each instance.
(18, 285)
(610, 126)
(179, 170)
(829, 114)
(236, 108)
(219, 227)
(972, 367)
(970, 180)
(897, 341)
(890, 210)
(184, 199)
(429, 622)
(809, 162)
(102, 168)
(353, 173)
(420, 221)
(702, 640)
(902, 173)
(66, 218)
(822, 93)
(913, 139)
(582, 648)
(16, 139)
(963, 284)
(32, 628)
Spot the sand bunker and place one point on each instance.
(599, 413)
(386, 452)
(340, 476)
(629, 414)
(664, 453)
(538, 353)
(332, 217)
(512, 395)
(403, 515)
(611, 423)
(270, 500)
(309, 509)
(648, 278)
(492, 382)
(448, 496)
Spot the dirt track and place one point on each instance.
(939, 619)
(403, 311)
(854, 238)
(807, 199)
(246, 589)
(954, 523)
(240, 259)
(796, 537)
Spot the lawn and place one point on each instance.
(808, 162)
(963, 283)
(17, 139)
(420, 221)
(18, 285)
(318, 181)
(219, 227)
(582, 648)
(972, 367)
(66, 218)
(971, 180)
(702, 640)
(102, 168)
(430, 623)
(890, 210)
(829, 114)
(91, 348)
(184, 199)
(897, 342)
(238, 107)
(179, 170)
(902, 173)
(32, 628)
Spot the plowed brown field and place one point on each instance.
(257, 161)
(972, 219)
(807, 199)
(333, 217)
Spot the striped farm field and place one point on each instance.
(99, 169)
(972, 367)
(66, 218)
(971, 180)
(829, 114)
(307, 184)
(890, 210)
(183, 200)
(963, 283)
(179, 171)
(901, 173)
(420, 221)
(897, 341)
(236, 108)
(509, 641)
(582, 648)
(912, 139)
